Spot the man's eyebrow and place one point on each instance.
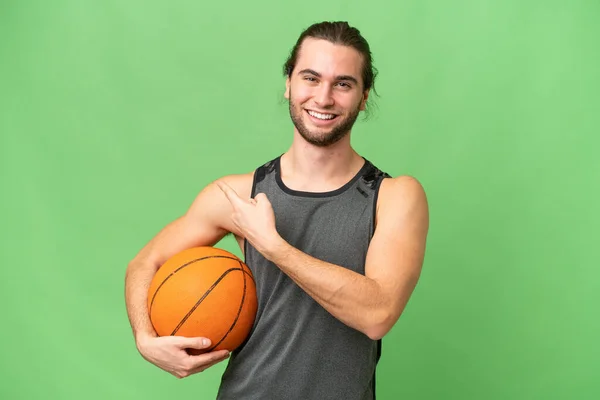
(337, 78)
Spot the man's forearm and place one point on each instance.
(354, 299)
(138, 277)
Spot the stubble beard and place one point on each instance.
(322, 139)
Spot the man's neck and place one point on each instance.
(311, 168)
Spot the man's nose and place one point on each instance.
(324, 96)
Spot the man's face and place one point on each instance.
(325, 91)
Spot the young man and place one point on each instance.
(335, 244)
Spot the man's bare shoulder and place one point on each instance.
(241, 183)
(401, 185)
(400, 195)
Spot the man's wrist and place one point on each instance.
(275, 248)
(141, 338)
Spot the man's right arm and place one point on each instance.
(204, 224)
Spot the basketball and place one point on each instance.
(204, 292)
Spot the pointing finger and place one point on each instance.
(229, 192)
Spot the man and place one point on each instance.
(335, 244)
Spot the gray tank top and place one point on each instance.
(296, 350)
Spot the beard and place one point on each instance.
(322, 139)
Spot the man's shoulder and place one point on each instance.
(402, 184)
(240, 182)
(401, 192)
(401, 206)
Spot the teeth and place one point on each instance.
(321, 116)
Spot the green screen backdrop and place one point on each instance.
(115, 114)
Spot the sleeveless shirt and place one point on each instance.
(297, 350)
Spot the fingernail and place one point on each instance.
(205, 342)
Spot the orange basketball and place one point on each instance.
(204, 292)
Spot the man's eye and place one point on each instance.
(309, 78)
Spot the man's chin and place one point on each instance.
(322, 138)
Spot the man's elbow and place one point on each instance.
(381, 323)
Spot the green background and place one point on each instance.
(113, 115)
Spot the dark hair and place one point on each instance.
(338, 32)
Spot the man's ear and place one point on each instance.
(363, 103)
(287, 88)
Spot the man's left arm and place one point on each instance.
(370, 303)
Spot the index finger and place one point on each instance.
(229, 192)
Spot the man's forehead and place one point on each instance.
(328, 58)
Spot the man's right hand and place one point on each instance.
(169, 353)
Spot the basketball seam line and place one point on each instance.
(208, 291)
(239, 310)
(177, 270)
